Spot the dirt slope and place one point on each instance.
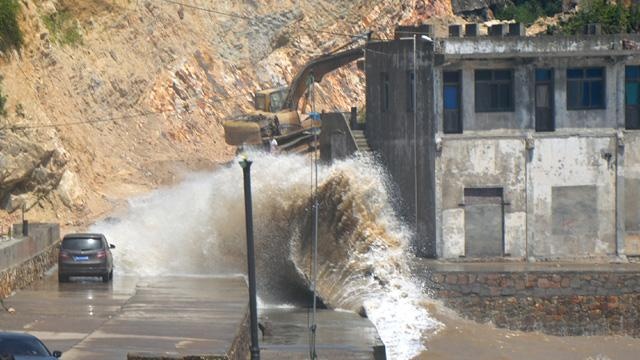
(148, 86)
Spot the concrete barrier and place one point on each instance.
(20, 248)
(25, 259)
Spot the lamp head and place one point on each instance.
(244, 161)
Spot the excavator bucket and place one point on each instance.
(242, 133)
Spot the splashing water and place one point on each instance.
(198, 227)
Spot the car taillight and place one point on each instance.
(101, 254)
(64, 254)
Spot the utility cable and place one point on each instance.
(115, 118)
(214, 11)
(312, 342)
(112, 118)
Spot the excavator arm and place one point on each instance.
(287, 120)
(318, 67)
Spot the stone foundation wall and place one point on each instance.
(558, 303)
(24, 273)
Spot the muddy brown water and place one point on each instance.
(465, 339)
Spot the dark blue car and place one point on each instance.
(19, 346)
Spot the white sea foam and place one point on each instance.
(198, 227)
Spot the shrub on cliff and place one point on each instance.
(614, 17)
(63, 28)
(10, 34)
(527, 11)
(3, 99)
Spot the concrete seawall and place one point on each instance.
(26, 259)
(558, 299)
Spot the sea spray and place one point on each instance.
(197, 227)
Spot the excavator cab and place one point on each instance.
(270, 100)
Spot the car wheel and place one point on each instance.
(105, 278)
(63, 278)
(111, 275)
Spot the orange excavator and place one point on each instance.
(276, 110)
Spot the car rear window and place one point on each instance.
(81, 244)
(22, 347)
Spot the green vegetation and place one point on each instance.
(614, 17)
(3, 100)
(527, 11)
(10, 34)
(63, 28)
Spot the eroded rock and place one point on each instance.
(28, 170)
(69, 188)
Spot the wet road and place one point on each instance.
(87, 319)
(340, 335)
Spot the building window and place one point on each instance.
(385, 89)
(585, 88)
(410, 91)
(451, 92)
(632, 97)
(544, 100)
(494, 90)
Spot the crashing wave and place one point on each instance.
(197, 227)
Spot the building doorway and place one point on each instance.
(484, 222)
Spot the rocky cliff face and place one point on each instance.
(139, 95)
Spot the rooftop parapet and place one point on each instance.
(498, 30)
(549, 46)
(404, 31)
(471, 30)
(455, 30)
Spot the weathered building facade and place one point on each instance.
(511, 146)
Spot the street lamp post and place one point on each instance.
(251, 259)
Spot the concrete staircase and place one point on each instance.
(361, 141)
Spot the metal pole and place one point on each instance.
(415, 130)
(314, 265)
(25, 227)
(253, 303)
(315, 251)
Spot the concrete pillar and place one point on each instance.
(619, 75)
(530, 233)
(620, 201)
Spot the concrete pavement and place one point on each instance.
(339, 335)
(178, 315)
(87, 319)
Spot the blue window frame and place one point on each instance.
(585, 88)
(451, 92)
(451, 101)
(632, 81)
(543, 75)
(632, 97)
